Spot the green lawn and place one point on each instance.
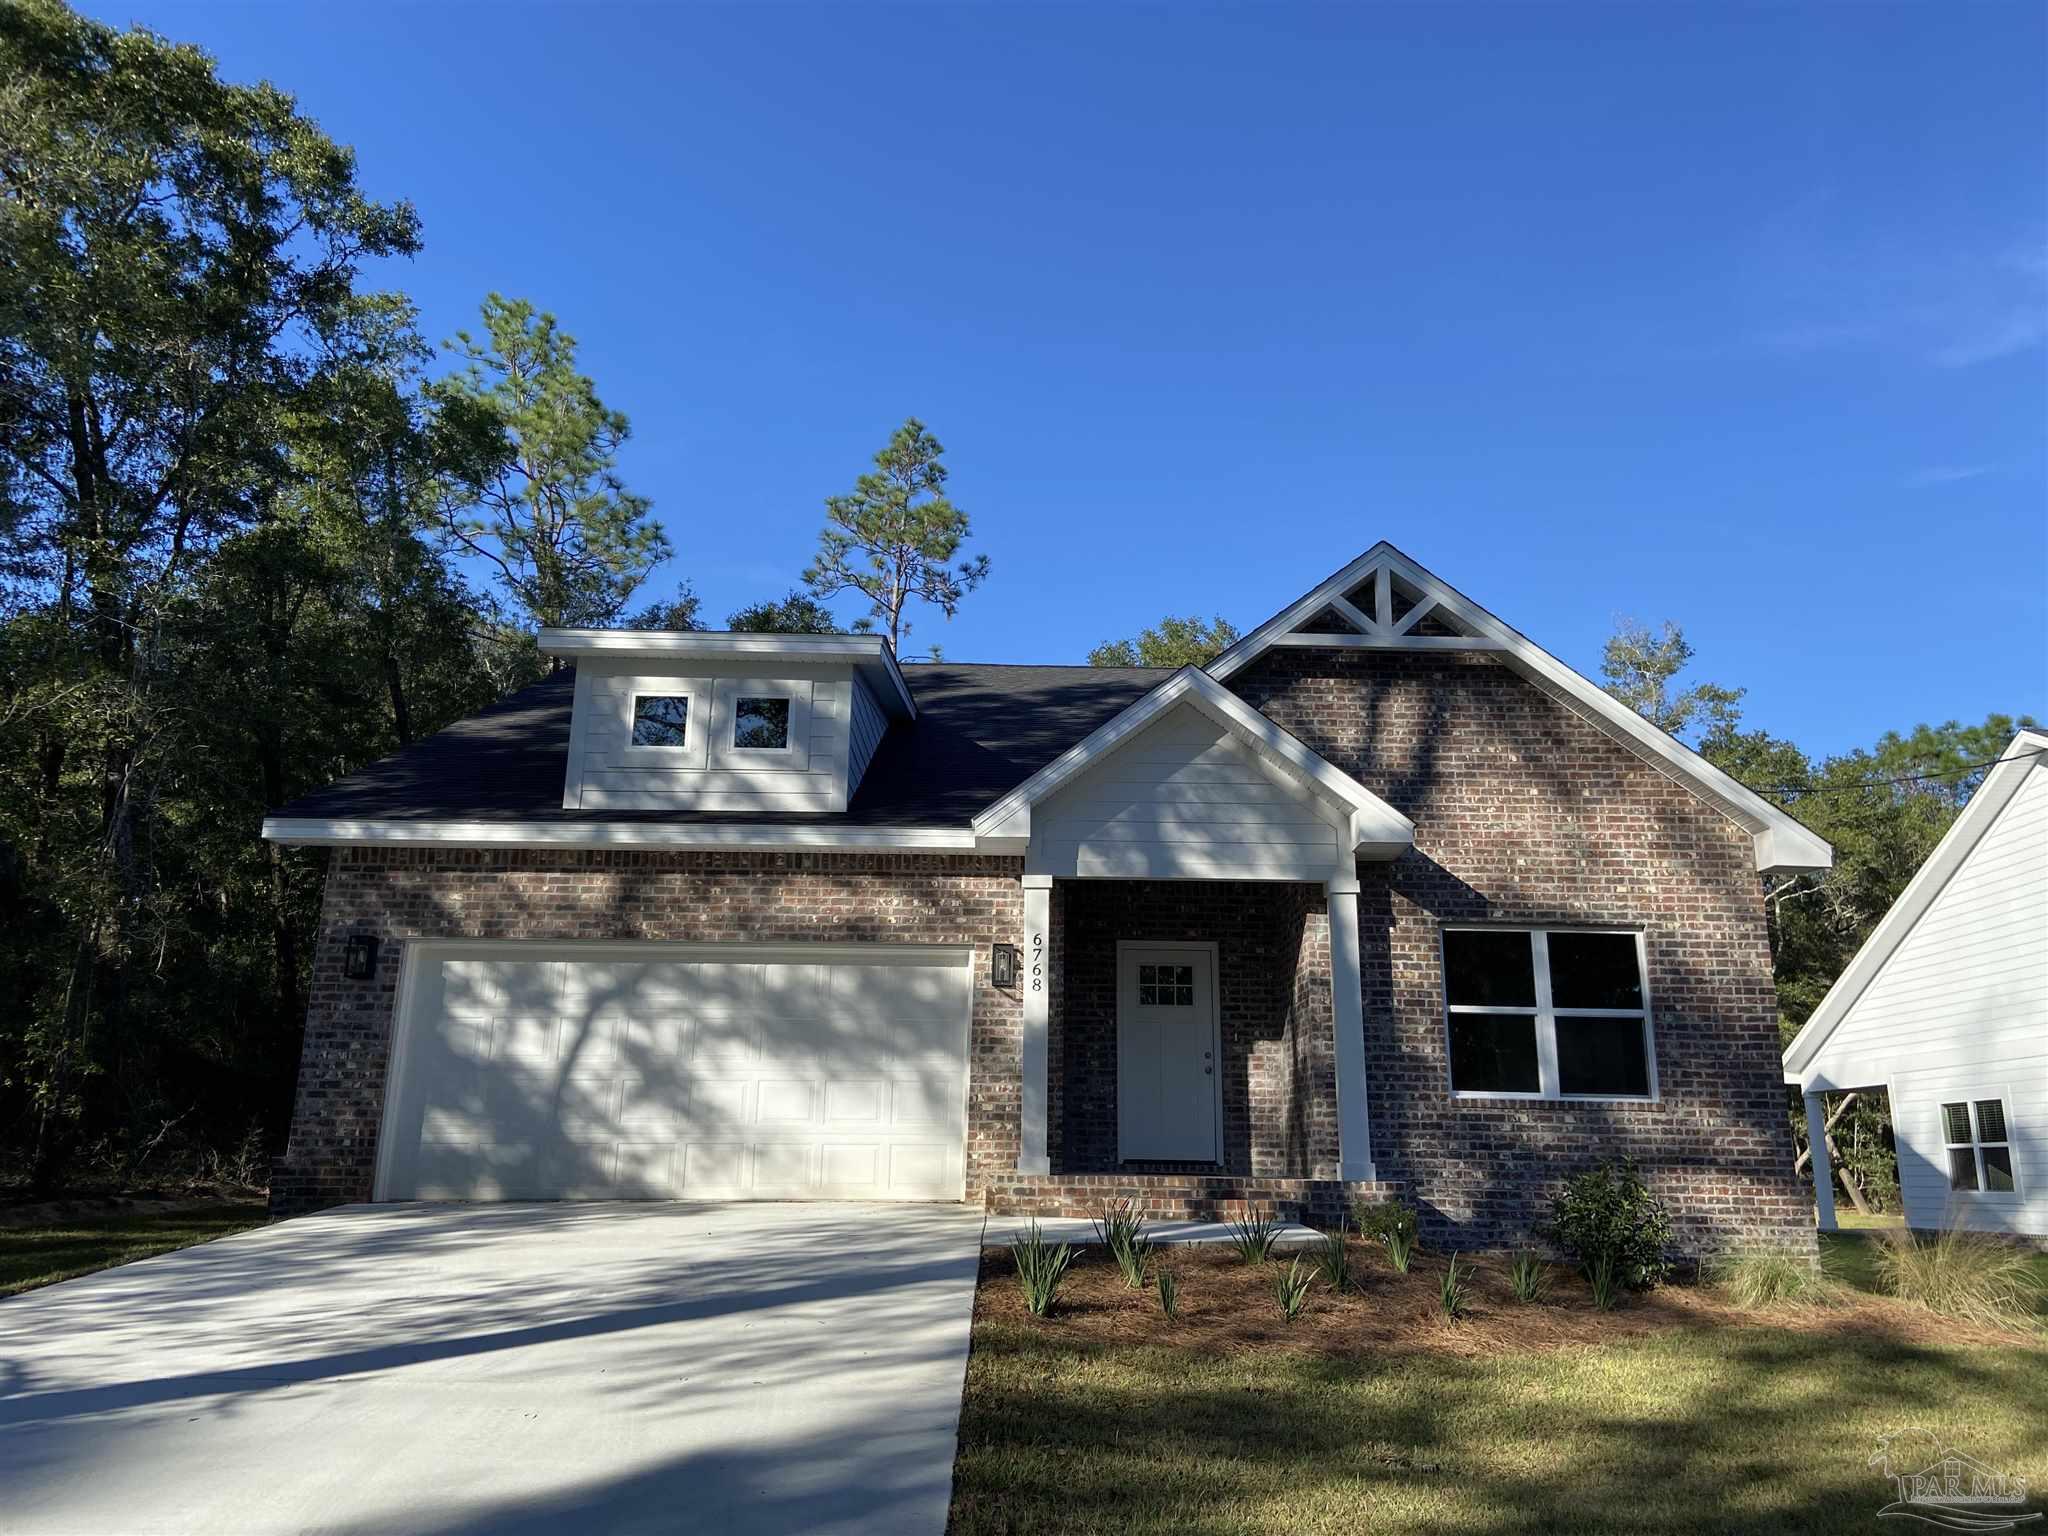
(43, 1255)
(1677, 1415)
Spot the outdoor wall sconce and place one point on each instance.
(359, 957)
(1003, 961)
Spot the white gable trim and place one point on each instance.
(1375, 826)
(1782, 844)
(2027, 754)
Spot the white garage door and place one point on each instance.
(678, 1072)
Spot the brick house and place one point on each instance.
(1385, 898)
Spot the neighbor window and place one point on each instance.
(661, 720)
(1979, 1155)
(1549, 1013)
(1166, 986)
(760, 724)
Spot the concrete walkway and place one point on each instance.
(457, 1370)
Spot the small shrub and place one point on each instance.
(1122, 1230)
(1765, 1277)
(1454, 1291)
(1169, 1291)
(1609, 1213)
(1253, 1237)
(1290, 1288)
(1377, 1220)
(1041, 1266)
(1400, 1249)
(1333, 1260)
(1968, 1275)
(1528, 1277)
(1603, 1274)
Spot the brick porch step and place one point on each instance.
(1178, 1197)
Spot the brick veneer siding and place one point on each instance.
(402, 894)
(1257, 930)
(1525, 812)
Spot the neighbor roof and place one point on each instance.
(981, 730)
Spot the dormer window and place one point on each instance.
(760, 724)
(661, 720)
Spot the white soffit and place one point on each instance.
(869, 655)
(1385, 578)
(2027, 754)
(1375, 825)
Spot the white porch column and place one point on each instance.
(1036, 981)
(1347, 1018)
(1823, 1170)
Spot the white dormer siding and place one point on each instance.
(1185, 799)
(821, 684)
(868, 726)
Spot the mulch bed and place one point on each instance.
(1228, 1305)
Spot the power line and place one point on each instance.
(1802, 791)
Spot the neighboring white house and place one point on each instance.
(1946, 1009)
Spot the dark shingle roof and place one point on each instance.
(980, 731)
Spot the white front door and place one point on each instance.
(1168, 1054)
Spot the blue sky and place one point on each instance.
(1733, 314)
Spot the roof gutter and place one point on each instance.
(308, 832)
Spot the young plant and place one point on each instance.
(1604, 1275)
(1122, 1231)
(1973, 1276)
(1608, 1212)
(1253, 1237)
(1528, 1277)
(1333, 1259)
(1169, 1291)
(1765, 1277)
(1290, 1288)
(1041, 1267)
(1400, 1248)
(1454, 1290)
(1378, 1220)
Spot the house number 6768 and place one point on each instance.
(1038, 962)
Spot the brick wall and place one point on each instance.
(404, 894)
(1524, 812)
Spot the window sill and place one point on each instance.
(1557, 1098)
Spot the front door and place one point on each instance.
(1167, 1054)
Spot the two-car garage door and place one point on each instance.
(678, 1072)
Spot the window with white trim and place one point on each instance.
(1979, 1153)
(760, 724)
(661, 720)
(1548, 1013)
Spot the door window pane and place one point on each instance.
(1599, 1055)
(1494, 1053)
(1166, 986)
(1489, 970)
(660, 720)
(1962, 1168)
(1998, 1168)
(1594, 970)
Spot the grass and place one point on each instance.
(1768, 1277)
(1852, 1259)
(1967, 1275)
(1679, 1412)
(42, 1255)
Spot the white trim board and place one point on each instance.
(868, 654)
(1782, 843)
(332, 832)
(1376, 828)
(1992, 796)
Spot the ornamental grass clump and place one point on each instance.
(1041, 1267)
(1122, 1230)
(1972, 1276)
(1290, 1288)
(1528, 1277)
(1766, 1277)
(1390, 1224)
(1603, 1274)
(1333, 1259)
(1454, 1290)
(1253, 1237)
(1169, 1291)
(1400, 1249)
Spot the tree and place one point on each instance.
(1172, 642)
(797, 614)
(180, 261)
(892, 538)
(677, 613)
(542, 502)
(1639, 667)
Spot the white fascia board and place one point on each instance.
(870, 654)
(1782, 844)
(608, 834)
(1373, 822)
(1993, 795)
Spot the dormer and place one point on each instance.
(684, 721)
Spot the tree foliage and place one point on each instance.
(894, 536)
(797, 614)
(1172, 642)
(1640, 667)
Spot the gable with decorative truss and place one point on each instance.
(1384, 601)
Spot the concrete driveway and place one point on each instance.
(435, 1369)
